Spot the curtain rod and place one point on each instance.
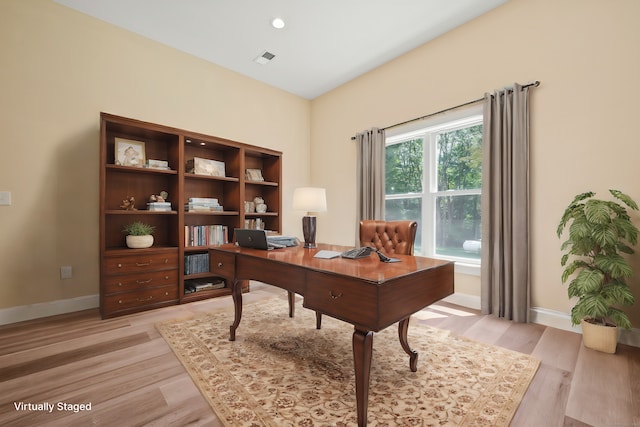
(534, 84)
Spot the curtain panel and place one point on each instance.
(505, 275)
(370, 175)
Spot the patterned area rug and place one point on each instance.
(284, 372)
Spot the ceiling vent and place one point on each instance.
(264, 57)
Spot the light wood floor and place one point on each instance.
(131, 377)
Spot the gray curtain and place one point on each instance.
(370, 175)
(505, 276)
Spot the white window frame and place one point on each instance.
(427, 130)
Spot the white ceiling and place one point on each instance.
(324, 44)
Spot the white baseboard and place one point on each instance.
(45, 309)
(543, 316)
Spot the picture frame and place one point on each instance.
(254, 175)
(129, 153)
(208, 167)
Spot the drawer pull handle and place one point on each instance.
(220, 265)
(149, 298)
(143, 264)
(142, 282)
(334, 296)
(119, 265)
(166, 260)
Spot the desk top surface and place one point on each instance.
(369, 268)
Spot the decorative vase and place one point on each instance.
(138, 242)
(599, 337)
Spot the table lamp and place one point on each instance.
(309, 199)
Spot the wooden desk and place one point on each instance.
(367, 293)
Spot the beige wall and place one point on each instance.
(58, 70)
(584, 52)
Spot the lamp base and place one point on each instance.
(309, 231)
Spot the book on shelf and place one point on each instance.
(157, 164)
(192, 286)
(205, 235)
(159, 206)
(203, 204)
(196, 263)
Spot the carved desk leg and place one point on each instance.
(403, 327)
(236, 293)
(362, 349)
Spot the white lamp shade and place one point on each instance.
(310, 199)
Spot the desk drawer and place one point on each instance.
(139, 299)
(129, 282)
(222, 264)
(143, 262)
(353, 302)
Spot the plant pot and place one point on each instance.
(138, 242)
(599, 337)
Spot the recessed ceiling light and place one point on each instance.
(277, 23)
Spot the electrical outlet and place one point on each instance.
(5, 198)
(66, 272)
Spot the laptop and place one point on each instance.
(256, 239)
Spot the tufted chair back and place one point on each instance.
(390, 237)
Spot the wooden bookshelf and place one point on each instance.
(133, 280)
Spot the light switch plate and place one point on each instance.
(5, 198)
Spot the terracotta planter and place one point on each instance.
(138, 242)
(598, 337)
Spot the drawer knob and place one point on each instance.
(119, 265)
(166, 277)
(166, 260)
(334, 296)
(120, 301)
(220, 264)
(119, 283)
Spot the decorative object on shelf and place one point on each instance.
(129, 152)
(600, 232)
(129, 204)
(203, 204)
(139, 235)
(159, 202)
(157, 164)
(249, 207)
(207, 167)
(254, 175)
(261, 207)
(311, 200)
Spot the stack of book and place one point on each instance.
(192, 286)
(199, 204)
(157, 164)
(205, 235)
(159, 206)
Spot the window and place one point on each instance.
(434, 176)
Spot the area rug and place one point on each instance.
(282, 371)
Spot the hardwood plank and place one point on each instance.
(545, 400)
(64, 358)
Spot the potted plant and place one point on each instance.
(139, 235)
(600, 232)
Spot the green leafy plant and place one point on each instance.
(138, 229)
(600, 231)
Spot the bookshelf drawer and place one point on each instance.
(143, 262)
(124, 283)
(141, 298)
(222, 264)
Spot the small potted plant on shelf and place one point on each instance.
(600, 232)
(139, 235)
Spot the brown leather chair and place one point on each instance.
(389, 237)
